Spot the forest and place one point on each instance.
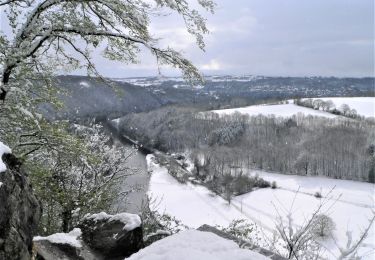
(235, 144)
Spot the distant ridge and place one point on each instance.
(90, 97)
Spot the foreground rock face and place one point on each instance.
(53, 251)
(20, 211)
(113, 235)
(64, 246)
(99, 236)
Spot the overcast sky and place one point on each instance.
(272, 37)
(268, 37)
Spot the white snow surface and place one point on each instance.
(70, 238)
(84, 84)
(197, 245)
(365, 106)
(3, 150)
(195, 205)
(131, 221)
(279, 110)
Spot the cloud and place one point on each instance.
(174, 37)
(212, 65)
(280, 38)
(243, 24)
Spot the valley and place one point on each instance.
(348, 203)
(187, 130)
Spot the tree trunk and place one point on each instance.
(66, 220)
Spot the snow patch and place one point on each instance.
(197, 245)
(280, 110)
(84, 84)
(70, 238)
(131, 221)
(4, 149)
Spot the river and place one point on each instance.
(137, 182)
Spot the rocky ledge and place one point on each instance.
(98, 236)
(20, 210)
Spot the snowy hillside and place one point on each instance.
(282, 110)
(196, 205)
(365, 106)
(196, 245)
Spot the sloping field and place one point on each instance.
(280, 110)
(365, 106)
(350, 208)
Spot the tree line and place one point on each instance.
(328, 106)
(218, 145)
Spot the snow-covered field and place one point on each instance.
(365, 106)
(282, 110)
(196, 205)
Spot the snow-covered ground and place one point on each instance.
(196, 245)
(196, 205)
(365, 106)
(282, 110)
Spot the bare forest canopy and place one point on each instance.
(336, 148)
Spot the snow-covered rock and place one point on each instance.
(64, 246)
(114, 236)
(130, 221)
(4, 149)
(70, 238)
(197, 245)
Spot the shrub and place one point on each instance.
(318, 195)
(244, 230)
(261, 183)
(322, 226)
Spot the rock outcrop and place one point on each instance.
(113, 235)
(64, 246)
(20, 211)
(99, 236)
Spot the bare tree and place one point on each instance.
(297, 240)
(350, 251)
(323, 226)
(46, 31)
